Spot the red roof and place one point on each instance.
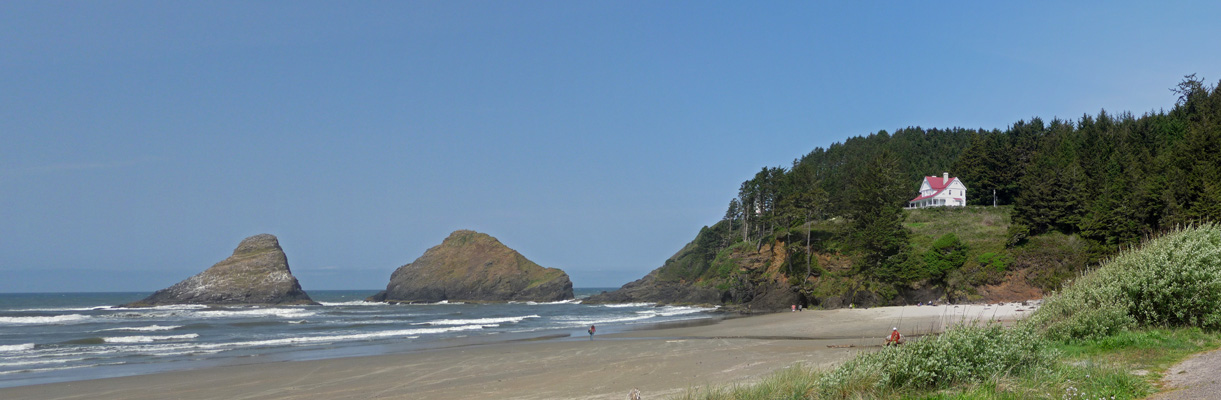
(936, 183)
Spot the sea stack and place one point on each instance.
(256, 274)
(472, 266)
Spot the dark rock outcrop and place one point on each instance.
(689, 277)
(256, 274)
(472, 266)
(650, 289)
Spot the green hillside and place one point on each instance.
(831, 229)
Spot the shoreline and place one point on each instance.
(662, 360)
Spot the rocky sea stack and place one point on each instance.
(472, 266)
(256, 274)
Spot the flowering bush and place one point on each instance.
(970, 353)
(1174, 280)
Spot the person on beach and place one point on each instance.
(895, 338)
(591, 332)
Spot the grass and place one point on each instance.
(983, 229)
(1079, 370)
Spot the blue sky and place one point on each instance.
(141, 141)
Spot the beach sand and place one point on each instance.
(659, 362)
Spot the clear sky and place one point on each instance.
(141, 141)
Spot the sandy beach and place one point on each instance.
(659, 362)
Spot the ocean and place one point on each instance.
(59, 337)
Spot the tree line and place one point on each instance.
(1112, 179)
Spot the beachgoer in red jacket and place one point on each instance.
(895, 338)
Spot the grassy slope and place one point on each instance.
(983, 229)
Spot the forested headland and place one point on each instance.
(831, 229)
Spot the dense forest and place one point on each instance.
(1107, 180)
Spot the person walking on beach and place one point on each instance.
(591, 332)
(895, 338)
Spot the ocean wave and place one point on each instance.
(147, 339)
(343, 338)
(439, 303)
(622, 305)
(64, 309)
(188, 352)
(257, 312)
(544, 303)
(353, 303)
(57, 368)
(477, 321)
(177, 307)
(670, 311)
(16, 347)
(56, 319)
(40, 362)
(168, 307)
(150, 328)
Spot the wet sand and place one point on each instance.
(659, 362)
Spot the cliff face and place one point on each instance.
(690, 277)
(472, 266)
(256, 274)
(650, 289)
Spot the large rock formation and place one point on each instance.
(256, 274)
(472, 266)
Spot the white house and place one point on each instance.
(941, 191)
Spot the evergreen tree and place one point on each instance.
(877, 216)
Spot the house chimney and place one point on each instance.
(945, 178)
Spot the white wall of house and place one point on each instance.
(954, 195)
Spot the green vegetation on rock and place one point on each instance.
(472, 266)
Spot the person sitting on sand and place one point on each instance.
(895, 338)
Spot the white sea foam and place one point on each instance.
(63, 309)
(440, 303)
(580, 321)
(671, 311)
(544, 303)
(147, 339)
(477, 321)
(178, 307)
(353, 303)
(257, 312)
(150, 328)
(42, 361)
(622, 305)
(57, 368)
(341, 338)
(16, 347)
(57, 319)
(189, 352)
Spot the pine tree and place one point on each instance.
(877, 216)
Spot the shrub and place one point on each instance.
(1174, 280)
(966, 354)
(998, 262)
(948, 254)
